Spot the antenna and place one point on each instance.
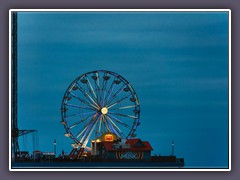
(172, 148)
(55, 146)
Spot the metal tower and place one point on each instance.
(15, 131)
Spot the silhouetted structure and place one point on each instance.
(16, 133)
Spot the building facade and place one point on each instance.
(109, 147)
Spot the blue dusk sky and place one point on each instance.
(177, 63)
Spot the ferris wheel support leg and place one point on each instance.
(80, 152)
(71, 155)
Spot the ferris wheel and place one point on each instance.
(98, 102)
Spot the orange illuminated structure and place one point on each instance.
(110, 147)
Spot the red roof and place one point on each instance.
(108, 145)
(138, 144)
(135, 145)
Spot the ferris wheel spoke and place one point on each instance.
(112, 128)
(81, 121)
(124, 107)
(104, 86)
(120, 122)
(77, 106)
(83, 101)
(119, 132)
(103, 92)
(89, 135)
(110, 90)
(89, 130)
(106, 124)
(86, 94)
(79, 114)
(86, 127)
(97, 86)
(100, 124)
(96, 129)
(123, 115)
(91, 88)
(118, 101)
(81, 132)
(106, 78)
(110, 98)
(100, 91)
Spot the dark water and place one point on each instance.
(93, 165)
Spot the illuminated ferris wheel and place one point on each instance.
(98, 102)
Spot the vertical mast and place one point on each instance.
(14, 62)
(15, 145)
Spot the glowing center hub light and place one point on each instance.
(104, 110)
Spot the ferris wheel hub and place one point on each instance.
(104, 110)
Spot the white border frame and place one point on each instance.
(119, 10)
